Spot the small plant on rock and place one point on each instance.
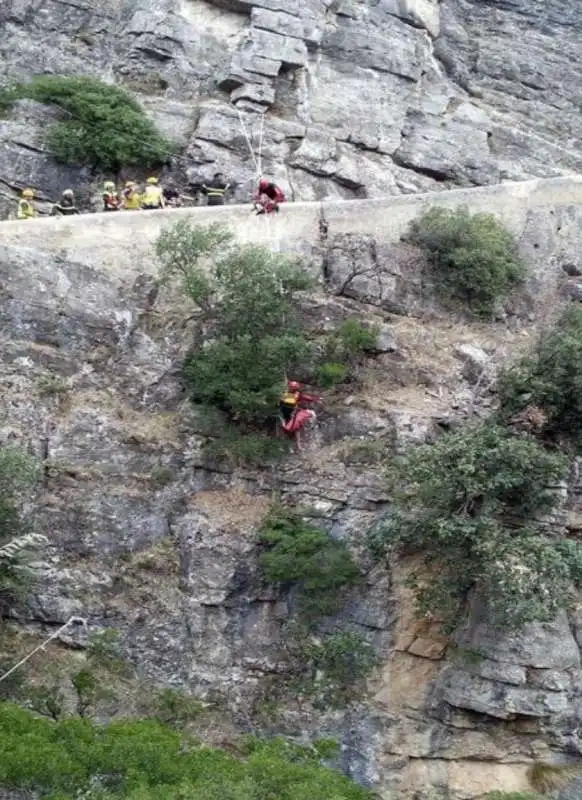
(474, 257)
(296, 554)
(343, 352)
(550, 379)
(470, 503)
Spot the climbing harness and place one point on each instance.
(71, 621)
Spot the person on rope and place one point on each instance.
(215, 190)
(292, 412)
(66, 205)
(131, 197)
(26, 209)
(111, 199)
(268, 197)
(153, 197)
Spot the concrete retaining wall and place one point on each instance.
(122, 242)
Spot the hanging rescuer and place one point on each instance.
(293, 413)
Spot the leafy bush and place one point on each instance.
(343, 351)
(333, 667)
(17, 476)
(475, 258)
(105, 127)
(146, 760)
(249, 330)
(550, 378)
(331, 373)
(298, 555)
(471, 503)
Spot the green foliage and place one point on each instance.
(551, 777)
(474, 258)
(550, 378)
(247, 308)
(331, 373)
(146, 760)
(298, 555)
(317, 571)
(105, 128)
(343, 352)
(332, 667)
(470, 503)
(18, 474)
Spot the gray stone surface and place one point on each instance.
(394, 96)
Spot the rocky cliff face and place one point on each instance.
(149, 537)
(360, 98)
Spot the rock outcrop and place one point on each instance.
(149, 537)
(360, 98)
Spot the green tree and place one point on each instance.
(475, 258)
(472, 503)
(550, 378)
(104, 126)
(248, 328)
(144, 759)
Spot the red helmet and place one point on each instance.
(293, 386)
(263, 184)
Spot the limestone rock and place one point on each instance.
(474, 361)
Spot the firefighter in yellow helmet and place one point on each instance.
(131, 197)
(153, 197)
(26, 209)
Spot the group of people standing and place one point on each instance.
(266, 199)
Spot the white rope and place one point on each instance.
(259, 159)
(42, 646)
(249, 143)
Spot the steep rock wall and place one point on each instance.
(148, 537)
(361, 97)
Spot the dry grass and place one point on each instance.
(551, 778)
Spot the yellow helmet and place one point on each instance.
(152, 180)
(129, 184)
(28, 193)
(109, 186)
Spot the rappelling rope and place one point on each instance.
(71, 621)
(259, 158)
(249, 142)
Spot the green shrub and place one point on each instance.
(470, 503)
(18, 474)
(147, 760)
(331, 373)
(333, 667)
(343, 352)
(249, 333)
(475, 259)
(105, 127)
(550, 378)
(296, 554)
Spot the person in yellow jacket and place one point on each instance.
(153, 197)
(131, 197)
(26, 209)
